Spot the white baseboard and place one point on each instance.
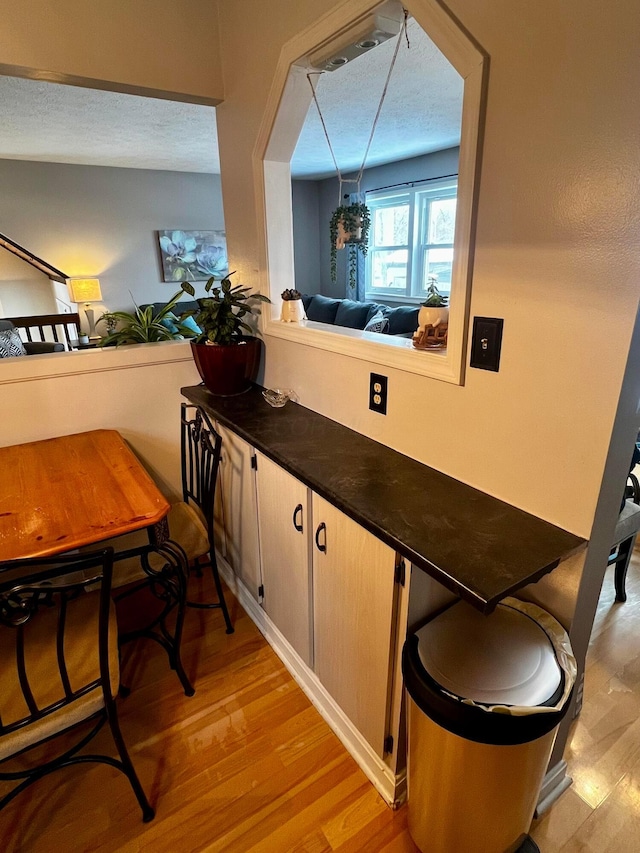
(390, 786)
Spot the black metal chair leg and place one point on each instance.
(621, 567)
(189, 689)
(169, 586)
(220, 603)
(223, 603)
(128, 769)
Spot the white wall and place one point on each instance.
(99, 221)
(135, 390)
(555, 257)
(23, 288)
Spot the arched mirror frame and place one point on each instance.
(285, 113)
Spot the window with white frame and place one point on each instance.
(411, 239)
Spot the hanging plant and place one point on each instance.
(349, 227)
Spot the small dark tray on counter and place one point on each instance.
(479, 547)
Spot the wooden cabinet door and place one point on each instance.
(239, 510)
(354, 611)
(283, 512)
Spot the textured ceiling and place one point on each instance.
(67, 124)
(421, 111)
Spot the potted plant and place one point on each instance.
(226, 353)
(292, 307)
(434, 310)
(142, 326)
(349, 226)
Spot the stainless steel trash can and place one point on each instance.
(485, 697)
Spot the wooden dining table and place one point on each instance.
(73, 491)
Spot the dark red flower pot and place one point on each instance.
(228, 369)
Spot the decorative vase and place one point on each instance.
(432, 316)
(230, 369)
(292, 311)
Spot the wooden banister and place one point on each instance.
(69, 323)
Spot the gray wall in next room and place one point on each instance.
(307, 235)
(100, 221)
(315, 201)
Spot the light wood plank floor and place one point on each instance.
(247, 764)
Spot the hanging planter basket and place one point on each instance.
(349, 228)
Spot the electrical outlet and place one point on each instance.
(378, 393)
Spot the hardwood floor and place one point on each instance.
(247, 764)
(600, 813)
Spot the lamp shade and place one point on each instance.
(84, 289)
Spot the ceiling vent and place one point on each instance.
(364, 35)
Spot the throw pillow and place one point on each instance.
(378, 323)
(170, 322)
(10, 344)
(322, 309)
(190, 325)
(352, 314)
(403, 320)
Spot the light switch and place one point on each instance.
(486, 343)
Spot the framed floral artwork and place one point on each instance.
(193, 255)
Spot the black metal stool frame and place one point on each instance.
(168, 585)
(20, 600)
(200, 449)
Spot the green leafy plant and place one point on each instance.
(221, 315)
(142, 326)
(354, 217)
(434, 298)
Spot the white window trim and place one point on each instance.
(284, 116)
(414, 191)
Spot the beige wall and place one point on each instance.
(168, 46)
(135, 390)
(557, 251)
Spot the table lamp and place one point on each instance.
(86, 290)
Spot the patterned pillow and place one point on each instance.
(378, 323)
(10, 344)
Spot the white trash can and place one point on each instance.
(485, 697)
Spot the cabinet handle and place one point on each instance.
(297, 510)
(322, 528)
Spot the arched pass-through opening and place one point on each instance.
(287, 108)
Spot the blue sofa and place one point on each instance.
(181, 307)
(402, 320)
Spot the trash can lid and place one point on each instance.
(505, 658)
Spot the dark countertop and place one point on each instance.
(479, 547)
